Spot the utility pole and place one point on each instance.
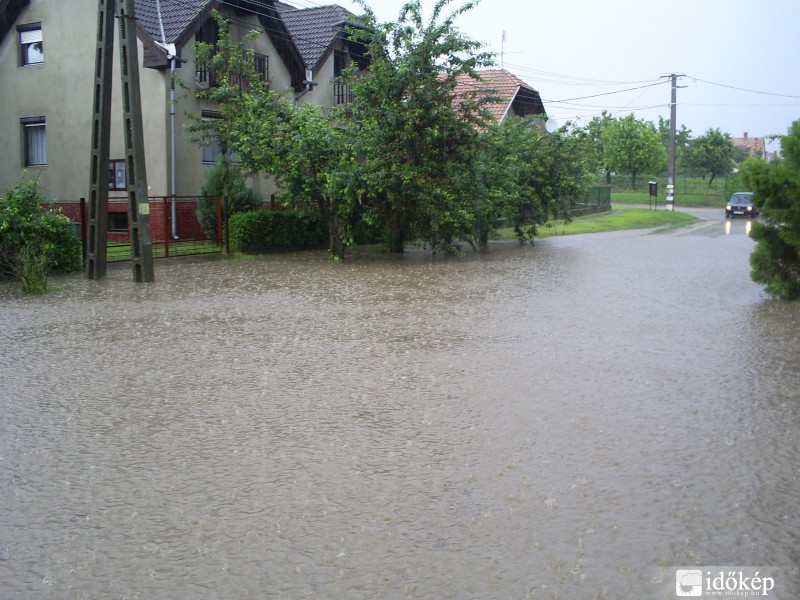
(133, 134)
(101, 131)
(671, 165)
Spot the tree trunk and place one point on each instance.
(335, 244)
(395, 241)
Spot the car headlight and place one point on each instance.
(728, 207)
(749, 208)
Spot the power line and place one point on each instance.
(607, 93)
(739, 89)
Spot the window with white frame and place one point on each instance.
(31, 44)
(116, 175)
(213, 148)
(34, 138)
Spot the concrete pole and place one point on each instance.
(138, 204)
(96, 252)
(671, 165)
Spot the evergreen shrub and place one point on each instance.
(223, 179)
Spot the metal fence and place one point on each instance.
(175, 229)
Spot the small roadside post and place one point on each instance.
(653, 194)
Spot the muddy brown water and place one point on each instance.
(568, 420)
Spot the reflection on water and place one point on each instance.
(729, 226)
(570, 420)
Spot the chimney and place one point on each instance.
(745, 135)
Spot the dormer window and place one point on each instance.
(31, 44)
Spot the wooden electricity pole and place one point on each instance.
(133, 134)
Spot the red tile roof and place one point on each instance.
(518, 98)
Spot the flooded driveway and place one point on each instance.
(568, 420)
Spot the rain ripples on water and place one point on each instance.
(567, 420)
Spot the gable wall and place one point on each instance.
(60, 89)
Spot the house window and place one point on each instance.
(30, 44)
(213, 148)
(339, 62)
(116, 175)
(35, 141)
(207, 34)
(118, 221)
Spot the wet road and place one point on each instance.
(574, 419)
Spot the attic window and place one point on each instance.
(31, 44)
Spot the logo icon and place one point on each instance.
(689, 583)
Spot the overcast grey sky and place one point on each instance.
(740, 59)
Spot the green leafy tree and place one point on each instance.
(252, 114)
(300, 149)
(531, 175)
(633, 146)
(34, 241)
(416, 149)
(775, 261)
(594, 139)
(682, 138)
(316, 170)
(711, 154)
(740, 154)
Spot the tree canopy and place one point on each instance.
(632, 146)
(416, 147)
(404, 157)
(711, 154)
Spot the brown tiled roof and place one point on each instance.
(515, 93)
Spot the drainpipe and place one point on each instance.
(173, 187)
(173, 61)
(172, 58)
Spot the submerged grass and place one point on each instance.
(619, 219)
(693, 200)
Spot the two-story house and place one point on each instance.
(47, 55)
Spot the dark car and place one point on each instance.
(741, 204)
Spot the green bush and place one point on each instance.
(34, 241)
(221, 180)
(265, 230)
(776, 258)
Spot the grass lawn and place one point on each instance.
(695, 192)
(117, 251)
(692, 200)
(621, 218)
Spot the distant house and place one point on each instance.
(755, 146)
(517, 98)
(47, 55)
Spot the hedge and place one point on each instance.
(265, 230)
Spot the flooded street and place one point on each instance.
(570, 420)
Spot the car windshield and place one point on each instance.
(741, 199)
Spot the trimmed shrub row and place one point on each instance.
(265, 230)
